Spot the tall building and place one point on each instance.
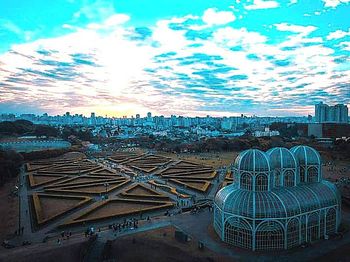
(93, 119)
(331, 114)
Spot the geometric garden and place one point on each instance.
(123, 185)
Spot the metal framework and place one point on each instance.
(278, 200)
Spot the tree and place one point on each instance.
(10, 162)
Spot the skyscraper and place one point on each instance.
(331, 114)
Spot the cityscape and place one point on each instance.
(174, 131)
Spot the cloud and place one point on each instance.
(262, 4)
(116, 19)
(304, 30)
(334, 3)
(96, 10)
(179, 65)
(10, 26)
(345, 46)
(338, 34)
(213, 17)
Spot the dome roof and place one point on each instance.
(306, 155)
(281, 157)
(252, 160)
(278, 203)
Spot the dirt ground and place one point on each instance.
(8, 211)
(336, 170)
(160, 245)
(215, 160)
(52, 252)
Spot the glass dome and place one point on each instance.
(278, 203)
(306, 155)
(278, 200)
(281, 157)
(252, 160)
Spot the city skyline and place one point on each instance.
(223, 58)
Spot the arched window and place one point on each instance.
(313, 227)
(331, 221)
(293, 233)
(246, 181)
(217, 219)
(302, 174)
(288, 180)
(269, 236)
(312, 175)
(277, 180)
(261, 182)
(238, 232)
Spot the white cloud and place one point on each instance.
(304, 30)
(334, 3)
(120, 85)
(10, 26)
(116, 19)
(262, 4)
(345, 45)
(232, 37)
(110, 22)
(99, 9)
(338, 34)
(213, 17)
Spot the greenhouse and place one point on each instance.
(278, 200)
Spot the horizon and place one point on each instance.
(158, 115)
(220, 58)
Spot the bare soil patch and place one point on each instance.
(160, 245)
(8, 210)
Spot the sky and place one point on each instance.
(191, 58)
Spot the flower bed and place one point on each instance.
(201, 186)
(201, 174)
(120, 157)
(168, 188)
(117, 208)
(40, 180)
(85, 180)
(93, 188)
(45, 212)
(173, 170)
(148, 163)
(141, 191)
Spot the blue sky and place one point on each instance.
(193, 58)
